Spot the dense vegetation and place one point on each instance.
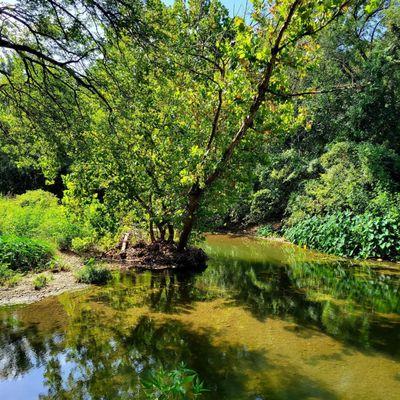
(179, 119)
(92, 273)
(22, 254)
(335, 181)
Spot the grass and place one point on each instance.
(24, 254)
(42, 280)
(33, 226)
(37, 215)
(8, 277)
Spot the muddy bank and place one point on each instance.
(157, 255)
(24, 292)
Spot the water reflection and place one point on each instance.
(255, 325)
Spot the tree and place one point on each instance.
(191, 110)
(55, 38)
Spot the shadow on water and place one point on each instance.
(97, 359)
(356, 305)
(100, 343)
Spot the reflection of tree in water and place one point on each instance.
(111, 338)
(22, 347)
(103, 354)
(332, 297)
(165, 291)
(338, 299)
(98, 358)
(111, 365)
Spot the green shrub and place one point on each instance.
(6, 273)
(266, 231)
(37, 214)
(82, 245)
(8, 277)
(14, 279)
(41, 280)
(179, 384)
(264, 205)
(365, 235)
(24, 254)
(92, 273)
(58, 265)
(353, 175)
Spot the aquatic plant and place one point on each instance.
(180, 383)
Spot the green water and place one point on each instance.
(265, 320)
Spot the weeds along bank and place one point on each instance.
(39, 215)
(335, 181)
(34, 228)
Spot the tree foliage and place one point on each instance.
(177, 121)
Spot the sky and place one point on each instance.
(235, 7)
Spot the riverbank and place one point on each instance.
(272, 232)
(23, 292)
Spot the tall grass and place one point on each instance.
(38, 215)
(24, 254)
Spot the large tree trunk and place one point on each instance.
(192, 207)
(151, 231)
(171, 233)
(262, 89)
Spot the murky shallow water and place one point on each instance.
(264, 321)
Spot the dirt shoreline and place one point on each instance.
(24, 292)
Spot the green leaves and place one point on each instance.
(23, 254)
(367, 235)
(180, 383)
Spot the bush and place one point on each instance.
(7, 275)
(82, 245)
(5, 272)
(92, 273)
(365, 235)
(37, 214)
(58, 265)
(266, 231)
(41, 280)
(353, 175)
(265, 205)
(24, 254)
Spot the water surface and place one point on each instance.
(265, 320)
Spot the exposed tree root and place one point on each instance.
(157, 255)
